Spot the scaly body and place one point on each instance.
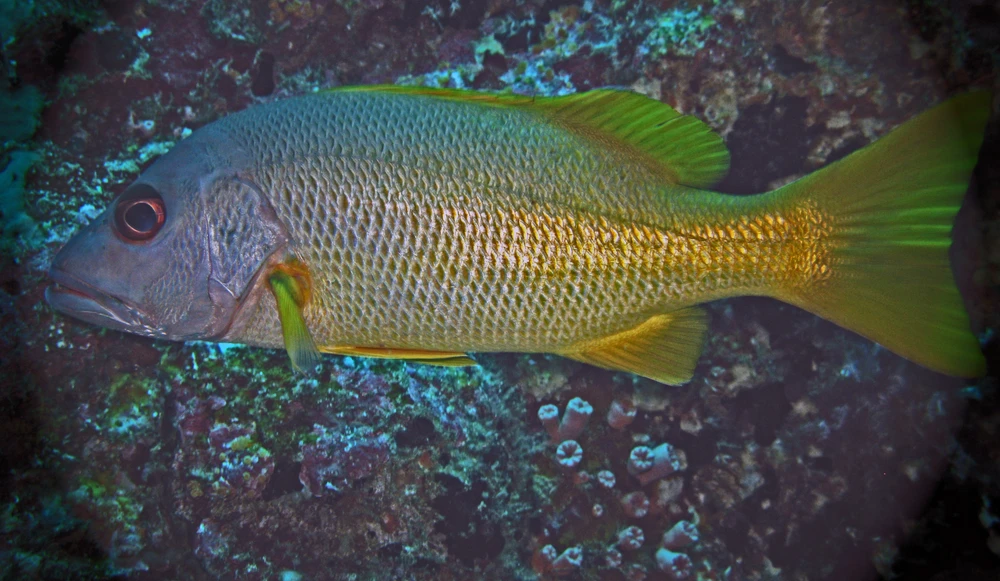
(488, 231)
(425, 224)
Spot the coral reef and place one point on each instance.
(798, 451)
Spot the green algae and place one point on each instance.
(18, 228)
(20, 113)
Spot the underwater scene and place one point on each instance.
(606, 290)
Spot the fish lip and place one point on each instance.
(72, 296)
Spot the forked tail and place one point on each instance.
(890, 210)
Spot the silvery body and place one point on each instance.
(425, 225)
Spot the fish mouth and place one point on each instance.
(71, 296)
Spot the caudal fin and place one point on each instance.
(891, 207)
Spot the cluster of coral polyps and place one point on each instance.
(600, 520)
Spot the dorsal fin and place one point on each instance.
(680, 148)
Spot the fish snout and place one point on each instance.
(71, 296)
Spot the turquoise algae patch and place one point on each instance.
(20, 110)
(17, 226)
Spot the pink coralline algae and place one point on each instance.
(574, 420)
(195, 417)
(677, 566)
(649, 465)
(243, 464)
(210, 541)
(337, 459)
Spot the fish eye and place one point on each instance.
(139, 213)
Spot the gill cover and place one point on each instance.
(243, 232)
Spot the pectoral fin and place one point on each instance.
(665, 348)
(442, 358)
(291, 297)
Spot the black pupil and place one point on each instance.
(141, 217)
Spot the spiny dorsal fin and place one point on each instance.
(680, 148)
(665, 348)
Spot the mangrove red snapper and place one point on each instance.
(424, 224)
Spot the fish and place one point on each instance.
(430, 224)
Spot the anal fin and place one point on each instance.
(665, 348)
(427, 357)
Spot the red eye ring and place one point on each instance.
(139, 217)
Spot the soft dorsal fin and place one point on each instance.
(680, 148)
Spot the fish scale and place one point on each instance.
(536, 228)
(426, 223)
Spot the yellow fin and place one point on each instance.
(442, 358)
(463, 361)
(665, 348)
(891, 209)
(680, 148)
(290, 295)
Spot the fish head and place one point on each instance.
(173, 256)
